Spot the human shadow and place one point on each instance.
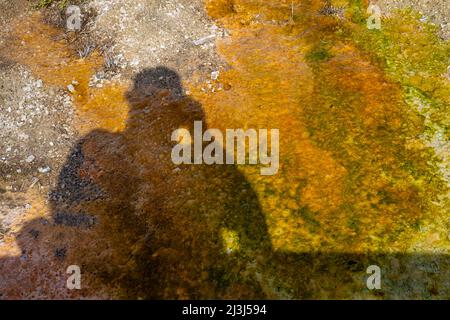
(141, 227)
(186, 231)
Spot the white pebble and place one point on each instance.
(71, 88)
(44, 170)
(30, 158)
(214, 75)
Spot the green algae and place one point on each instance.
(412, 54)
(319, 53)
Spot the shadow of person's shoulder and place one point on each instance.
(79, 179)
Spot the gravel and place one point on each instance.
(434, 11)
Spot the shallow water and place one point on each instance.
(357, 175)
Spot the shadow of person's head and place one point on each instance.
(150, 81)
(157, 97)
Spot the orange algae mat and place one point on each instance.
(358, 184)
(354, 175)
